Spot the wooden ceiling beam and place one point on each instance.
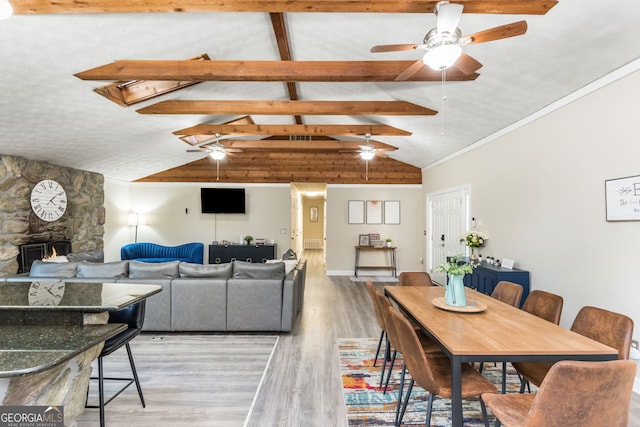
(266, 71)
(290, 108)
(351, 130)
(314, 145)
(528, 7)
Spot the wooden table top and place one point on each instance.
(501, 332)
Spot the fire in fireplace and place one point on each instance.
(33, 251)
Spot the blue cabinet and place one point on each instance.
(485, 278)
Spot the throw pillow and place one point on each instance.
(289, 264)
(249, 270)
(153, 270)
(214, 271)
(116, 270)
(53, 269)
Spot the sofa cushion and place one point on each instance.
(250, 270)
(214, 271)
(53, 269)
(153, 270)
(289, 264)
(118, 269)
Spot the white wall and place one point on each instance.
(172, 214)
(539, 191)
(342, 237)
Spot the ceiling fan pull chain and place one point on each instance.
(217, 170)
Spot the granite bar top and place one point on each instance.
(31, 349)
(60, 296)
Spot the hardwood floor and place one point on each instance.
(302, 387)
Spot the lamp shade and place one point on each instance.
(6, 10)
(133, 219)
(442, 56)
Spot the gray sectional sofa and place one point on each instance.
(237, 296)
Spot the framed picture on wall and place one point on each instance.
(313, 214)
(622, 198)
(356, 211)
(364, 240)
(392, 211)
(374, 212)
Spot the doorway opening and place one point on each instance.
(308, 217)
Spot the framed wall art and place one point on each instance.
(374, 212)
(356, 211)
(364, 240)
(622, 198)
(313, 214)
(392, 212)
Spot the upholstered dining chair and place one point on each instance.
(544, 305)
(609, 328)
(428, 345)
(133, 316)
(433, 373)
(509, 293)
(371, 290)
(579, 394)
(414, 278)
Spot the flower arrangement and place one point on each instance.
(456, 266)
(474, 239)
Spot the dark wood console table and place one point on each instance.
(249, 253)
(392, 261)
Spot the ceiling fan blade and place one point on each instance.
(381, 154)
(448, 17)
(395, 47)
(497, 33)
(417, 66)
(467, 64)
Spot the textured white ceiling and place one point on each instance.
(48, 114)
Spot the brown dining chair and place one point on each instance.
(509, 293)
(371, 289)
(544, 305)
(607, 327)
(414, 278)
(578, 394)
(433, 373)
(428, 345)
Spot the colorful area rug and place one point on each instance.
(367, 405)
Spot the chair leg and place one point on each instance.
(485, 417)
(427, 421)
(135, 375)
(404, 405)
(393, 360)
(400, 390)
(504, 377)
(387, 355)
(375, 361)
(101, 390)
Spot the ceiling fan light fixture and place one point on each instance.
(217, 155)
(6, 10)
(442, 56)
(367, 152)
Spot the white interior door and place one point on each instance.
(447, 216)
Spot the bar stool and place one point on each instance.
(133, 316)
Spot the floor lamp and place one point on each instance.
(136, 219)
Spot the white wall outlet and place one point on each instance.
(283, 231)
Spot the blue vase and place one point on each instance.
(454, 291)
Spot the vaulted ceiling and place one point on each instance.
(133, 89)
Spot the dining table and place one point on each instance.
(488, 330)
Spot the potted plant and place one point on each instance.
(388, 240)
(248, 239)
(456, 268)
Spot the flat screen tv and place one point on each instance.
(222, 200)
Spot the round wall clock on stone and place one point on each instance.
(48, 200)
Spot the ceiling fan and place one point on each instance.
(216, 151)
(443, 44)
(367, 152)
